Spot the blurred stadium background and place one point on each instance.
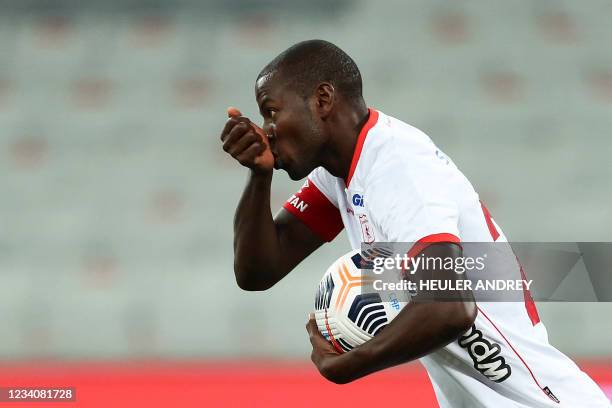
(116, 200)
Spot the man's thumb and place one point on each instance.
(231, 111)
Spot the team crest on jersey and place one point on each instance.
(485, 355)
(366, 229)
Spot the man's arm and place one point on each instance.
(423, 326)
(265, 248)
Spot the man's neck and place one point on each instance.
(339, 152)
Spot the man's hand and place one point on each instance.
(280, 242)
(247, 143)
(324, 356)
(426, 324)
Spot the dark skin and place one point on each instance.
(429, 322)
(298, 135)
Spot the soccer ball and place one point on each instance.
(346, 315)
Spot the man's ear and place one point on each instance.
(325, 97)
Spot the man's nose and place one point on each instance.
(267, 128)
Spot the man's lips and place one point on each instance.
(277, 162)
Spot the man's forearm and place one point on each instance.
(430, 330)
(256, 244)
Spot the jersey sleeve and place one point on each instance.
(316, 206)
(413, 203)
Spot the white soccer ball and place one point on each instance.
(348, 316)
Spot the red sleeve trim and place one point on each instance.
(313, 208)
(424, 242)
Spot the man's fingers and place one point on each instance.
(258, 129)
(316, 338)
(240, 145)
(231, 123)
(248, 156)
(311, 325)
(320, 343)
(236, 133)
(231, 111)
(246, 142)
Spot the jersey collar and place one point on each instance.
(372, 119)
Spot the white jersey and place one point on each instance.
(402, 188)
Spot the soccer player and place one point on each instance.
(383, 180)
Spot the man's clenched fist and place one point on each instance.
(247, 142)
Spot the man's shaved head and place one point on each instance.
(309, 97)
(305, 65)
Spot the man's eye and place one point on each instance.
(271, 112)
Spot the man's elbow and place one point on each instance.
(250, 282)
(247, 286)
(251, 286)
(463, 315)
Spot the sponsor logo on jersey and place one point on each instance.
(298, 203)
(358, 200)
(485, 355)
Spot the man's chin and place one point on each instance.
(295, 175)
(297, 178)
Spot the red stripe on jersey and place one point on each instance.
(372, 119)
(532, 311)
(490, 224)
(311, 207)
(515, 352)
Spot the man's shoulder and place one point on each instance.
(392, 138)
(391, 127)
(394, 147)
